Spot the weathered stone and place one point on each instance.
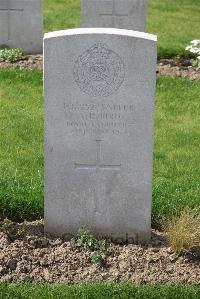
(123, 14)
(99, 94)
(21, 25)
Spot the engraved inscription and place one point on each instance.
(91, 119)
(98, 166)
(99, 71)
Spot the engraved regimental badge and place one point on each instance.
(99, 71)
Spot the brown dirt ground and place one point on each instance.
(178, 67)
(38, 258)
(27, 62)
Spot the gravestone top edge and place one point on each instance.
(111, 31)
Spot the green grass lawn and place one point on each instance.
(21, 144)
(176, 156)
(97, 291)
(176, 22)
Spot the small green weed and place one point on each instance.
(89, 242)
(96, 257)
(85, 239)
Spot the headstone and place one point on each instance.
(21, 25)
(125, 14)
(99, 91)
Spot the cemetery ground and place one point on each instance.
(32, 257)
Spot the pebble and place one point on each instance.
(12, 264)
(155, 249)
(169, 250)
(173, 258)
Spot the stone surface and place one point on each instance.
(124, 14)
(99, 95)
(21, 25)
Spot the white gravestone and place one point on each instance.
(99, 95)
(21, 25)
(124, 14)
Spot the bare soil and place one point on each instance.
(38, 258)
(179, 67)
(27, 62)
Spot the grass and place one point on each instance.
(176, 22)
(99, 291)
(183, 232)
(21, 144)
(176, 181)
(61, 14)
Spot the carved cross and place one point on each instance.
(114, 15)
(9, 10)
(98, 166)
